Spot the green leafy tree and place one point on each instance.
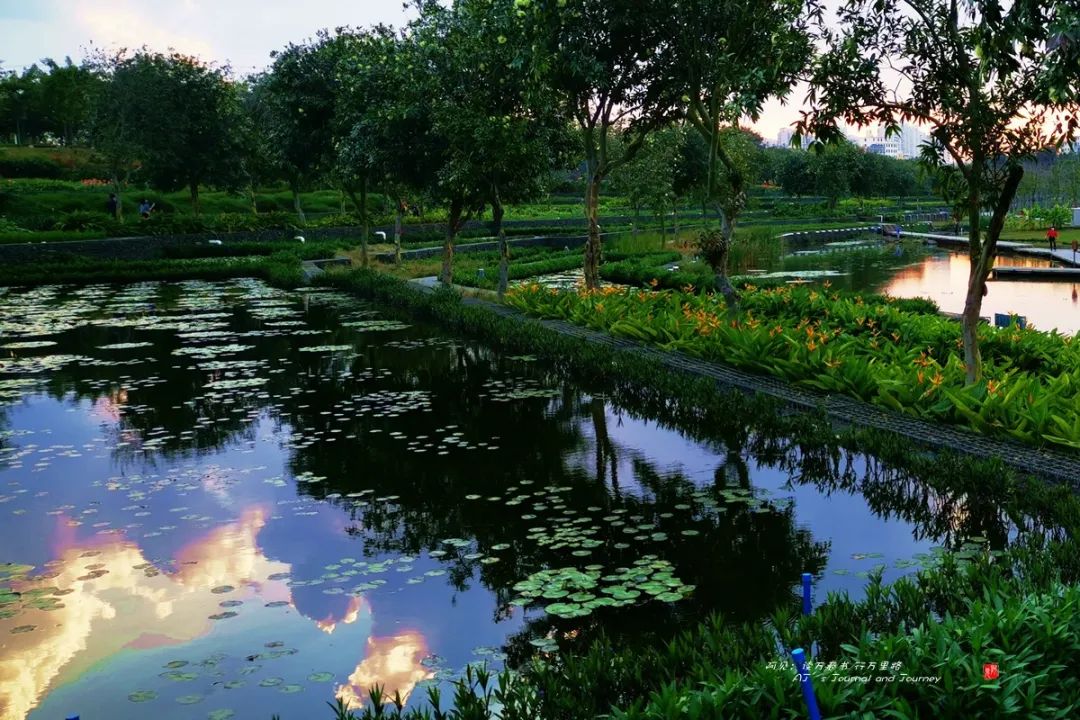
(730, 56)
(834, 168)
(794, 175)
(499, 139)
(648, 181)
(609, 62)
(178, 114)
(298, 98)
(21, 115)
(66, 98)
(994, 82)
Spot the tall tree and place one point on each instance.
(180, 114)
(994, 82)
(609, 61)
(498, 136)
(648, 181)
(67, 96)
(732, 55)
(297, 102)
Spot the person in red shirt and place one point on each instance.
(1052, 235)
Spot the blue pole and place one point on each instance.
(807, 686)
(807, 578)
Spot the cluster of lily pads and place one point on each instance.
(579, 592)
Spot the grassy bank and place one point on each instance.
(281, 269)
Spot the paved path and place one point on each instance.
(1050, 464)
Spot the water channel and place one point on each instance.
(224, 499)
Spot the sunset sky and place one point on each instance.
(238, 32)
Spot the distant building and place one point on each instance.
(905, 146)
(783, 139)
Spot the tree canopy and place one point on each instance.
(994, 83)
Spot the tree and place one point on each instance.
(67, 95)
(995, 84)
(648, 181)
(730, 56)
(20, 105)
(499, 138)
(178, 115)
(298, 98)
(794, 175)
(609, 62)
(834, 168)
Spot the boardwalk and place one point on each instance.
(1065, 257)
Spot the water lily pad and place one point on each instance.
(189, 699)
(222, 589)
(221, 714)
(223, 616)
(321, 677)
(290, 689)
(271, 682)
(140, 696)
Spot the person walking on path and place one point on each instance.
(144, 209)
(114, 206)
(1052, 236)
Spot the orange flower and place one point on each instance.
(833, 364)
(937, 379)
(776, 331)
(896, 337)
(921, 378)
(826, 284)
(654, 282)
(992, 387)
(688, 289)
(599, 307)
(811, 346)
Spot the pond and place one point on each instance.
(910, 269)
(225, 499)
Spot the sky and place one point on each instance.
(241, 33)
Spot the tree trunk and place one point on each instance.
(366, 224)
(453, 222)
(295, 187)
(497, 212)
(119, 199)
(675, 223)
(663, 231)
(194, 187)
(634, 224)
(593, 246)
(981, 253)
(723, 284)
(397, 232)
(251, 199)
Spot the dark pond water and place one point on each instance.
(221, 498)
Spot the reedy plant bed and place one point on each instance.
(864, 347)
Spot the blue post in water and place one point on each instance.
(807, 686)
(806, 579)
(73, 717)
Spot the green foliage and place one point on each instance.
(1037, 217)
(866, 348)
(281, 268)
